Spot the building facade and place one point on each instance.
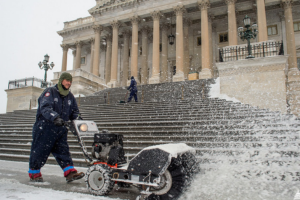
(124, 38)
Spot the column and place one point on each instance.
(164, 54)
(205, 48)
(125, 34)
(155, 78)
(186, 25)
(74, 58)
(65, 48)
(134, 47)
(96, 60)
(114, 54)
(261, 21)
(232, 28)
(108, 58)
(210, 18)
(179, 76)
(92, 42)
(78, 54)
(293, 74)
(144, 68)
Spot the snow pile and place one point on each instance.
(215, 92)
(12, 189)
(173, 149)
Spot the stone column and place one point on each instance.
(210, 18)
(74, 58)
(125, 57)
(114, 55)
(155, 78)
(179, 76)
(65, 48)
(290, 37)
(144, 68)
(261, 21)
(96, 60)
(232, 28)
(78, 54)
(186, 25)
(205, 48)
(164, 54)
(108, 59)
(135, 47)
(92, 41)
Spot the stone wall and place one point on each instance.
(259, 82)
(22, 98)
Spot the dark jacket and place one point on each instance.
(133, 86)
(51, 105)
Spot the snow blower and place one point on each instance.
(124, 98)
(160, 172)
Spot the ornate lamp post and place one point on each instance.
(45, 66)
(248, 34)
(171, 36)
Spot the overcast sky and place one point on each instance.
(28, 32)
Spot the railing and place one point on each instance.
(261, 49)
(78, 22)
(26, 82)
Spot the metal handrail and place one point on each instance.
(27, 82)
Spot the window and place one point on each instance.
(199, 41)
(82, 60)
(160, 47)
(223, 37)
(298, 63)
(296, 26)
(272, 30)
(141, 51)
(129, 53)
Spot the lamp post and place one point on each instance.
(248, 34)
(46, 67)
(171, 36)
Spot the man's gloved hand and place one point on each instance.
(58, 121)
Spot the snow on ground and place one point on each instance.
(12, 189)
(215, 92)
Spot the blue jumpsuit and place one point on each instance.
(49, 138)
(133, 91)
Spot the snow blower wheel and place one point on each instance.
(98, 180)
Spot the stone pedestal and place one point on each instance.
(259, 82)
(179, 76)
(24, 98)
(205, 74)
(84, 83)
(193, 76)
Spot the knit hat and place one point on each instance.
(61, 89)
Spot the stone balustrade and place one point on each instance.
(78, 22)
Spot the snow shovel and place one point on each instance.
(124, 98)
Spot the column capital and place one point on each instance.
(203, 4)
(179, 10)
(165, 26)
(135, 19)
(230, 2)
(92, 40)
(126, 33)
(65, 47)
(115, 24)
(156, 15)
(145, 29)
(108, 37)
(187, 22)
(97, 28)
(79, 44)
(286, 4)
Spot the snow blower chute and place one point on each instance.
(161, 171)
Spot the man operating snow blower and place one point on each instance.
(56, 105)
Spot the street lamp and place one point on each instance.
(46, 67)
(171, 36)
(248, 34)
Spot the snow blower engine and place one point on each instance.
(160, 172)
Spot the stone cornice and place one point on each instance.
(75, 29)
